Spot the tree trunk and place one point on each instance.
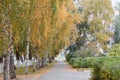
(37, 67)
(38, 63)
(42, 62)
(6, 66)
(11, 53)
(50, 59)
(45, 61)
(27, 59)
(12, 67)
(27, 51)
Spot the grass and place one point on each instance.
(21, 70)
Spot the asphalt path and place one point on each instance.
(61, 71)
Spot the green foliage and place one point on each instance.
(54, 8)
(106, 68)
(87, 62)
(110, 70)
(71, 61)
(97, 64)
(68, 57)
(115, 50)
(117, 26)
(95, 12)
(75, 62)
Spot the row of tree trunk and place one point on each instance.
(9, 68)
(43, 62)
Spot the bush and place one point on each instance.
(68, 57)
(89, 61)
(110, 70)
(85, 63)
(97, 64)
(115, 50)
(106, 68)
(71, 61)
(75, 62)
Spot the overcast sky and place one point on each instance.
(115, 2)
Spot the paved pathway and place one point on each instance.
(61, 72)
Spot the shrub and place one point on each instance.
(110, 71)
(75, 62)
(68, 57)
(71, 61)
(106, 68)
(115, 50)
(97, 64)
(84, 64)
(89, 61)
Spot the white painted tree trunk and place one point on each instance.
(27, 51)
(9, 71)
(11, 53)
(12, 67)
(6, 66)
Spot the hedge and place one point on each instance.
(75, 62)
(106, 69)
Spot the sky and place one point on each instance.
(114, 3)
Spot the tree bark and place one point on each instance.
(42, 62)
(37, 64)
(27, 51)
(50, 59)
(11, 53)
(45, 61)
(6, 66)
(12, 67)
(9, 71)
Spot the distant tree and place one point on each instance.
(99, 15)
(117, 26)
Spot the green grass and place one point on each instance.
(21, 70)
